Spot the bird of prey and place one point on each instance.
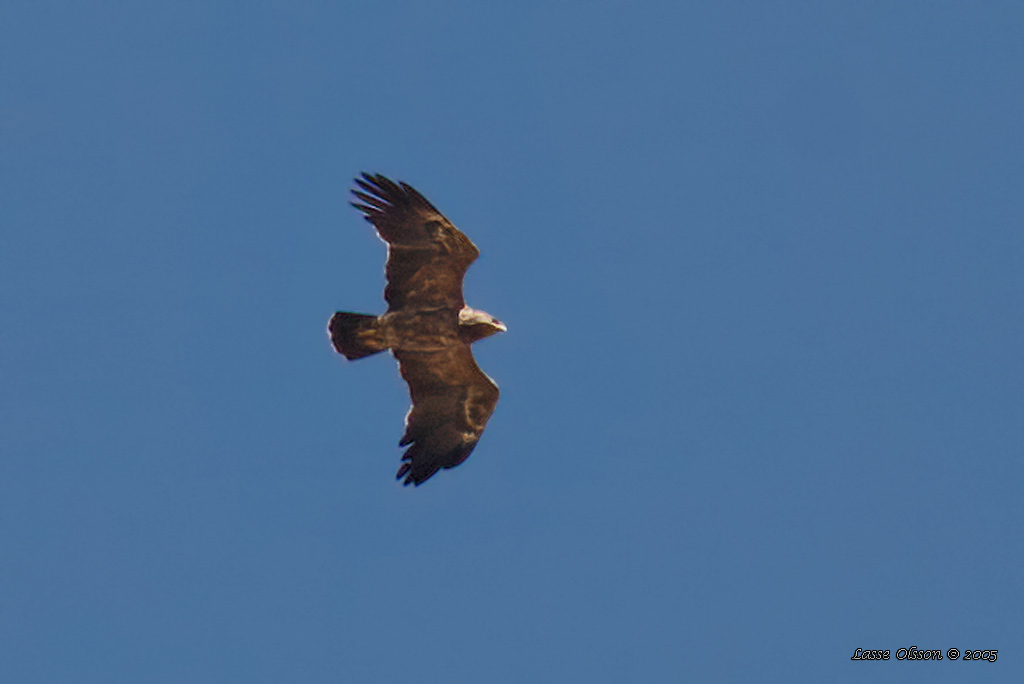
(427, 327)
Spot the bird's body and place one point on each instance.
(420, 331)
(427, 327)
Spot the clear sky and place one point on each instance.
(762, 388)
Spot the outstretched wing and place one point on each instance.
(452, 400)
(427, 255)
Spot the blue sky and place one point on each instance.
(762, 403)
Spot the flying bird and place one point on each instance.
(427, 326)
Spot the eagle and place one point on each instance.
(427, 326)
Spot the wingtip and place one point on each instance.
(368, 186)
(402, 470)
(381, 186)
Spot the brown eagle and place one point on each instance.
(427, 327)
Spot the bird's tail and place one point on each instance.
(356, 335)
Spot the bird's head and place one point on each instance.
(476, 325)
